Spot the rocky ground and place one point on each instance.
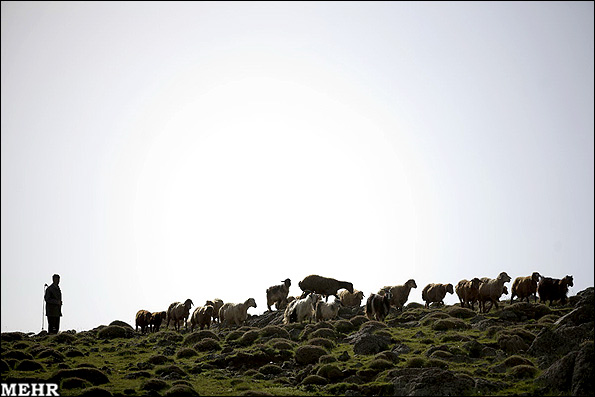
(517, 349)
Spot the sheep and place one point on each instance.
(468, 291)
(378, 306)
(524, 287)
(156, 320)
(399, 293)
(324, 286)
(202, 317)
(235, 313)
(327, 311)
(278, 293)
(554, 289)
(301, 309)
(143, 320)
(179, 311)
(436, 293)
(491, 290)
(281, 305)
(351, 299)
(216, 303)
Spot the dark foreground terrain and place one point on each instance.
(518, 349)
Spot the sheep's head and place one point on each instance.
(209, 310)
(449, 288)
(188, 303)
(535, 277)
(359, 295)
(504, 277)
(475, 283)
(411, 283)
(287, 282)
(349, 287)
(505, 290)
(250, 302)
(569, 281)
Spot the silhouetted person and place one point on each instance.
(53, 305)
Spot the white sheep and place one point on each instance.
(327, 311)
(179, 311)
(435, 292)
(399, 293)
(349, 299)
(235, 313)
(277, 294)
(491, 290)
(216, 303)
(301, 309)
(201, 317)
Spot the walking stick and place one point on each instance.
(43, 307)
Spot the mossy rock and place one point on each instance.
(207, 344)
(448, 324)
(74, 383)
(460, 312)
(515, 360)
(64, 338)
(328, 333)
(17, 355)
(181, 390)
(93, 375)
(327, 344)
(172, 370)
(248, 338)
(115, 331)
(415, 362)
(314, 380)
(29, 366)
(523, 372)
(154, 384)
(432, 317)
(281, 343)
(234, 335)
(436, 363)
(344, 326)
(186, 352)
(309, 354)
(358, 320)
(270, 369)
(327, 359)
(159, 359)
(274, 331)
(197, 336)
(121, 324)
(330, 372)
(95, 391)
(380, 364)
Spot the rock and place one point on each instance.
(308, 354)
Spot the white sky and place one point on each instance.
(153, 152)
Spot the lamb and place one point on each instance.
(436, 293)
(524, 287)
(399, 293)
(327, 311)
(468, 292)
(216, 303)
(378, 306)
(491, 290)
(554, 289)
(351, 299)
(156, 319)
(324, 286)
(235, 313)
(143, 320)
(201, 317)
(301, 309)
(179, 311)
(278, 293)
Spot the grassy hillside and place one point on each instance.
(441, 351)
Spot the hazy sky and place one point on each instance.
(153, 152)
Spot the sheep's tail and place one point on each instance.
(369, 307)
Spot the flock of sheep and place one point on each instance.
(310, 306)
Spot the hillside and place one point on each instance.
(518, 349)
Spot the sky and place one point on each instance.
(157, 151)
